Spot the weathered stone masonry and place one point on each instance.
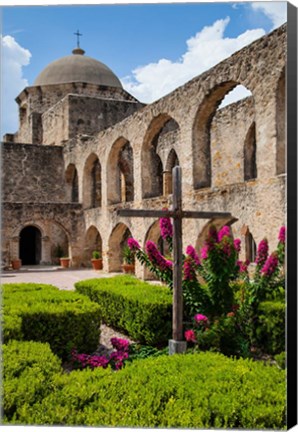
(101, 149)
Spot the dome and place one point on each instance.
(77, 68)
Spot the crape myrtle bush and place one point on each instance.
(137, 308)
(204, 390)
(43, 313)
(28, 370)
(235, 323)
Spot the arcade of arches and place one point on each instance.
(74, 179)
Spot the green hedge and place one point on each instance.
(271, 326)
(44, 313)
(204, 390)
(140, 309)
(28, 370)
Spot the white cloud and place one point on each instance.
(275, 11)
(14, 57)
(239, 92)
(204, 50)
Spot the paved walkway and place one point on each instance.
(61, 278)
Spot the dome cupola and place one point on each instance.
(77, 68)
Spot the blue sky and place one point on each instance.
(152, 48)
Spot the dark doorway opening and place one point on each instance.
(30, 245)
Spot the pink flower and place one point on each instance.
(262, 253)
(190, 250)
(282, 234)
(204, 252)
(243, 265)
(190, 336)
(199, 318)
(231, 314)
(212, 235)
(156, 258)
(225, 231)
(120, 344)
(270, 265)
(133, 244)
(226, 246)
(237, 244)
(188, 270)
(166, 227)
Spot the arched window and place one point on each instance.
(120, 186)
(250, 247)
(250, 164)
(92, 183)
(72, 184)
(203, 130)
(161, 135)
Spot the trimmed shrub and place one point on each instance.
(204, 390)
(44, 313)
(270, 330)
(28, 370)
(141, 310)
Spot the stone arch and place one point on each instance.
(218, 223)
(59, 242)
(160, 135)
(93, 242)
(92, 182)
(117, 241)
(172, 161)
(120, 180)
(153, 234)
(72, 183)
(250, 148)
(281, 124)
(202, 166)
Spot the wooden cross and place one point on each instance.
(78, 34)
(176, 344)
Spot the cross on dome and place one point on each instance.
(78, 34)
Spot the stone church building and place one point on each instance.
(85, 147)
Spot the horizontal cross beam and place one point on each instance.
(172, 214)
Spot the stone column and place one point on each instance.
(45, 250)
(167, 182)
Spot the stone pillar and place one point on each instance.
(14, 250)
(45, 250)
(167, 182)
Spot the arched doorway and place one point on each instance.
(118, 239)
(93, 242)
(30, 245)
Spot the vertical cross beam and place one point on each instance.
(78, 34)
(177, 345)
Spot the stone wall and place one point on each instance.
(58, 223)
(39, 99)
(32, 173)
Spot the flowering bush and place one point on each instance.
(115, 359)
(207, 285)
